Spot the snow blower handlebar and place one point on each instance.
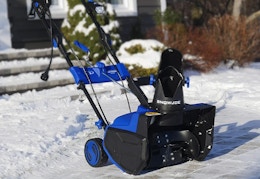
(41, 8)
(92, 9)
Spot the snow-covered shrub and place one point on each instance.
(135, 49)
(139, 71)
(142, 57)
(136, 46)
(78, 26)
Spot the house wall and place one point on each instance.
(146, 12)
(137, 26)
(29, 34)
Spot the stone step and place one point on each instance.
(21, 70)
(32, 81)
(24, 54)
(34, 86)
(37, 67)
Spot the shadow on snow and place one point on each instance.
(232, 137)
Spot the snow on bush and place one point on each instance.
(79, 26)
(142, 53)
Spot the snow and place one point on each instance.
(109, 27)
(110, 9)
(43, 133)
(77, 8)
(148, 59)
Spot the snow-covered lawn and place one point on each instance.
(43, 133)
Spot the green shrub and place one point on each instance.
(138, 71)
(168, 17)
(158, 48)
(135, 49)
(78, 26)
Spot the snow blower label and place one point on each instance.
(168, 102)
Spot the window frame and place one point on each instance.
(128, 8)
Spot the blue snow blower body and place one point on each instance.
(158, 134)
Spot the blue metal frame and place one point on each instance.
(100, 73)
(129, 122)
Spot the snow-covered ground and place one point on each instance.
(42, 134)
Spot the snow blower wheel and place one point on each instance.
(94, 153)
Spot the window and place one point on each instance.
(116, 1)
(55, 2)
(58, 8)
(124, 7)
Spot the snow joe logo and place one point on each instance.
(97, 72)
(91, 72)
(169, 102)
(112, 71)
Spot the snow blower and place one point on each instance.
(158, 134)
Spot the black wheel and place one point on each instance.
(94, 153)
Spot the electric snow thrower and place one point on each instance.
(160, 133)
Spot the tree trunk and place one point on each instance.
(237, 8)
(253, 16)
